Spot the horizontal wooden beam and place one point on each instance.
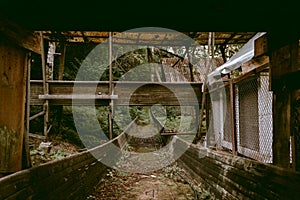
(125, 93)
(76, 96)
(22, 37)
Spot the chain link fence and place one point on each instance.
(252, 114)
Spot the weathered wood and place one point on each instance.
(36, 115)
(234, 177)
(254, 63)
(147, 94)
(284, 61)
(77, 96)
(45, 84)
(295, 132)
(12, 104)
(20, 36)
(26, 161)
(261, 45)
(41, 137)
(111, 88)
(61, 66)
(232, 118)
(72, 177)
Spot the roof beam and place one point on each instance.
(22, 37)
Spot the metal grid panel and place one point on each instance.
(227, 121)
(254, 122)
(253, 118)
(216, 126)
(265, 104)
(248, 114)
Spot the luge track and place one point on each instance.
(226, 176)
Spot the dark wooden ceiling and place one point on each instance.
(148, 38)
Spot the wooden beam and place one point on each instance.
(233, 120)
(13, 77)
(295, 132)
(144, 94)
(111, 88)
(41, 137)
(20, 36)
(284, 65)
(26, 160)
(281, 127)
(35, 116)
(76, 96)
(61, 66)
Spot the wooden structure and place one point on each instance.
(284, 64)
(241, 106)
(274, 69)
(224, 175)
(15, 44)
(218, 171)
(125, 93)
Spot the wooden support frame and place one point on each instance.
(13, 71)
(281, 128)
(26, 161)
(20, 36)
(284, 68)
(45, 86)
(233, 119)
(295, 125)
(111, 88)
(61, 67)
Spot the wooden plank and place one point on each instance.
(254, 63)
(61, 66)
(111, 88)
(41, 137)
(26, 161)
(36, 115)
(20, 36)
(163, 93)
(261, 46)
(177, 133)
(233, 120)
(284, 61)
(137, 93)
(281, 128)
(295, 132)
(76, 96)
(13, 73)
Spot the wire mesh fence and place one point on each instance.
(253, 125)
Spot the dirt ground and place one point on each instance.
(53, 149)
(160, 185)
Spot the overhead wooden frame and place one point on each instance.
(149, 38)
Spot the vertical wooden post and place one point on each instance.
(281, 128)
(45, 86)
(232, 116)
(284, 62)
(26, 161)
(209, 61)
(13, 80)
(295, 125)
(61, 66)
(189, 63)
(111, 103)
